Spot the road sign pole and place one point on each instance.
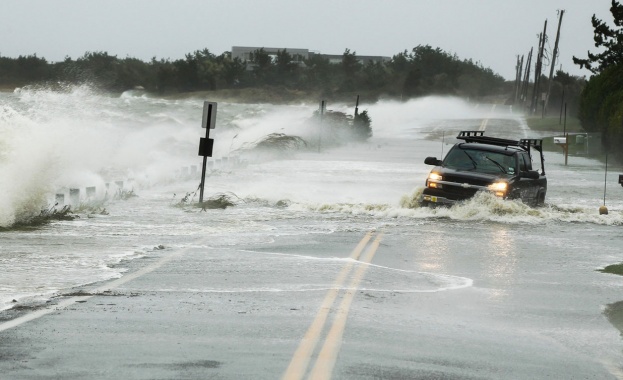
(203, 178)
(206, 144)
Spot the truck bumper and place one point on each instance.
(434, 200)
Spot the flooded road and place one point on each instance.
(484, 290)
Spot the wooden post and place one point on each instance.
(537, 66)
(74, 197)
(518, 78)
(606, 179)
(566, 148)
(562, 103)
(564, 127)
(322, 108)
(551, 70)
(537, 72)
(526, 82)
(567, 137)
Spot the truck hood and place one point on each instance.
(468, 176)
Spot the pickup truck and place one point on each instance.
(502, 167)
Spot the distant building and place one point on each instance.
(299, 55)
(363, 59)
(244, 53)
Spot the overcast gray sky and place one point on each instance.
(492, 32)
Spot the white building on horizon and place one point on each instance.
(244, 53)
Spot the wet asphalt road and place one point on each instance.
(433, 304)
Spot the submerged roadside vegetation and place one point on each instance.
(613, 269)
(55, 213)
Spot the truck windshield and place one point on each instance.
(480, 161)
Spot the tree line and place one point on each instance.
(601, 102)
(422, 71)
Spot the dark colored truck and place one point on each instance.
(482, 163)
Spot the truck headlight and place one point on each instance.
(432, 180)
(499, 188)
(435, 176)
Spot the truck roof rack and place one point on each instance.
(534, 143)
(479, 137)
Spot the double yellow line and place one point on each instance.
(485, 121)
(325, 360)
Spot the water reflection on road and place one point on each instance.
(434, 252)
(614, 313)
(500, 261)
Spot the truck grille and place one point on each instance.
(455, 188)
(457, 192)
(460, 180)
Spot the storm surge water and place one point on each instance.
(55, 140)
(308, 179)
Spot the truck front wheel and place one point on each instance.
(540, 198)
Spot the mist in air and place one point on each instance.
(53, 141)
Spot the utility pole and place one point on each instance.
(539, 66)
(563, 141)
(526, 81)
(536, 75)
(518, 77)
(551, 70)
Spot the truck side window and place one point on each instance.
(525, 163)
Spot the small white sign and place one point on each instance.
(209, 115)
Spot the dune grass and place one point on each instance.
(554, 124)
(613, 269)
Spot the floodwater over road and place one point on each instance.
(322, 245)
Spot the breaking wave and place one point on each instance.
(75, 137)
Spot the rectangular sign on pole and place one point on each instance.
(206, 145)
(209, 115)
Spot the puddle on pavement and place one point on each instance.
(614, 313)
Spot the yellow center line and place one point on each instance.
(485, 121)
(328, 355)
(300, 359)
(483, 125)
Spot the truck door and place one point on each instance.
(528, 187)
